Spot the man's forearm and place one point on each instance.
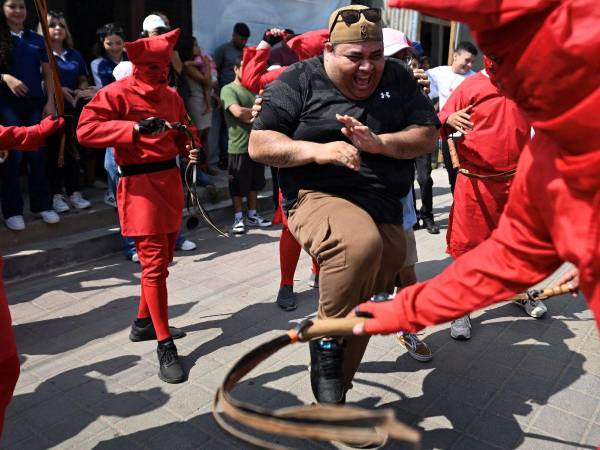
(278, 150)
(409, 143)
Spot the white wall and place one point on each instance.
(213, 20)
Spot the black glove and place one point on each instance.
(152, 126)
(271, 38)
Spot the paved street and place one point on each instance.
(518, 383)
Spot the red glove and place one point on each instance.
(49, 126)
(383, 316)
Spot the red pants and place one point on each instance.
(9, 361)
(289, 249)
(155, 253)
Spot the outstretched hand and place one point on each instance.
(461, 120)
(571, 279)
(360, 135)
(382, 317)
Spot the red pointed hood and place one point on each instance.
(153, 50)
(151, 58)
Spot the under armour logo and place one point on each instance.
(385, 94)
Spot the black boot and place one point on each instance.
(146, 332)
(326, 376)
(170, 369)
(429, 223)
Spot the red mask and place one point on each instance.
(151, 58)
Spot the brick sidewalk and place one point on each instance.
(519, 382)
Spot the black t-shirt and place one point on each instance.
(302, 104)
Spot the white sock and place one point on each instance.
(238, 215)
(251, 212)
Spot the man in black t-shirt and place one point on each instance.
(343, 129)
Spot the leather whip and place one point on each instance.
(347, 424)
(192, 196)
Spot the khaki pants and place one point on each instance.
(358, 258)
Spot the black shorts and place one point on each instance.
(245, 175)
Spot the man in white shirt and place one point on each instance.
(444, 80)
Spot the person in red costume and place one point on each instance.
(255, 76)
(494, 131)
(552, 210)
(134, 115)
(16, 138)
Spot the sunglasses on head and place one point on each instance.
(350, 16)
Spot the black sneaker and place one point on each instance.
(148, 333)
(429, 223)
(170, 369)
(326, 376)
(286, 299)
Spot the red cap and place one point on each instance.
(155, 49)
(309, 44)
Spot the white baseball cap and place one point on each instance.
(153, 22)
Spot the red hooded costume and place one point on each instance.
(16, 138)
(494, 144)
(542, 49)
(150, 204)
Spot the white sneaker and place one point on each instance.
(15, 223)
(135, 258)
(50, 216)
(109, 199)
(78, 201)
(461, 328)
(239, 227)
(258, 221)
(535, 308)
(187, 246)
(59, 204)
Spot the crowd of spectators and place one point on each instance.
(26, 95)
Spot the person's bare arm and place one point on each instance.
(241, 113)
(276, 149)
(413, 141)
(192, 71)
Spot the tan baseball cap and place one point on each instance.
(363, 30)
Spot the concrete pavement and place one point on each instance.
(518, 383)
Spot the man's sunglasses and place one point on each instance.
(350, 16)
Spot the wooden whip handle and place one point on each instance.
(330, 327)
(453, 153)
(556, 290)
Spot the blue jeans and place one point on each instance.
(127, 243)
(23, 112)
(110, 166)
